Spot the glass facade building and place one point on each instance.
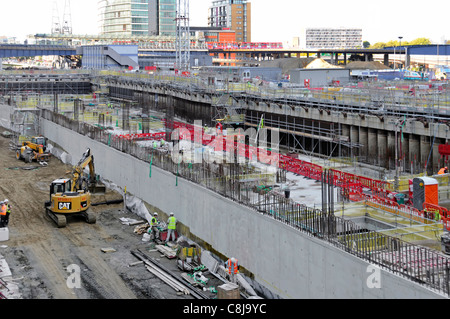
(137, 17)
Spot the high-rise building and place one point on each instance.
(333, 38)
(233, 14)
(138, 17)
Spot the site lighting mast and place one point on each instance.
(400, 48)
(183, 41)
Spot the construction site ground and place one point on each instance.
(41, 256)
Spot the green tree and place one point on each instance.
(378, 45)
(420, 41)
(366, 44)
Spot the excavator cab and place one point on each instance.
(39, 140)
(61, 186)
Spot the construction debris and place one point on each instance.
(141, 229)
(136, 263)
(131, 221)
(167, 276)
(108, 250)
(166, 251)
(8, 289)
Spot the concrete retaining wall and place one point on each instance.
(290, 263)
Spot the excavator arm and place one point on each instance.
(79, 180)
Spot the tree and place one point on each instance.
(366, 44)
(378, 45)
(396, 43)
(420, 41)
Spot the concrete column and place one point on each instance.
(354, 138)
(414, 149)
(424, 152)
(344, 151)
(386, 59)
(382, 148)
(405, 160)
(390, 154)
(363, 140)
(345, 58)
(372, 141)
(436, 157)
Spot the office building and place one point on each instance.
(137, 17)
(233, 14)
(333, 38)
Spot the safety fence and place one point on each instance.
(422, 265)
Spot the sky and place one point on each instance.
(272, 21)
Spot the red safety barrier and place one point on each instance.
(353, 184)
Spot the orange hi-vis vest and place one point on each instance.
(232, 267)
(441, 171)
(3, 210)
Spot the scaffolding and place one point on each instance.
(183, 36)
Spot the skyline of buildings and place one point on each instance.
(158, 17)
(284, 27)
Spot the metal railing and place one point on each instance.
(422, 265)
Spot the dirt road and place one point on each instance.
(42, 257)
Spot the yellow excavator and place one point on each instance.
(33, 150)
(72, 196)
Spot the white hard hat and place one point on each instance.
(155, 214)
(171, 214)
(1, 203)
(6, 200)
(233, 259)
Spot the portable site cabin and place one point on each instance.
(425, 190)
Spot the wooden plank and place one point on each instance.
(168, 252)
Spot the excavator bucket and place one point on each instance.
(97, 188)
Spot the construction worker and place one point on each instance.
(232, 267)
(8, 211)
(443, 170)
(154, 231)
(437, 216)
(3, 209)
(171, 226)
(425, 212)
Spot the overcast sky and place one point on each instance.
(280, 20)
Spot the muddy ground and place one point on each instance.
(41, 256)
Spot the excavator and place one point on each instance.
(72, 196)
(33, 150)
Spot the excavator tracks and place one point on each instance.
(60, 220)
